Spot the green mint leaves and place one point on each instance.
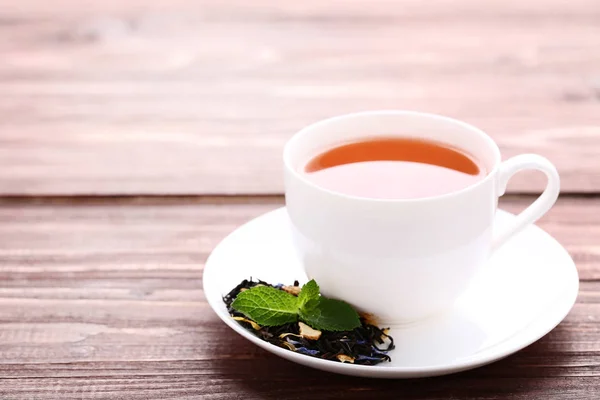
(329, 315)
(268, 306)
(308, 292)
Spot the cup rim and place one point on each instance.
(288, 148)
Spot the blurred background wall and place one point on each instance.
(198, 96)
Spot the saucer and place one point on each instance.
(525, 290)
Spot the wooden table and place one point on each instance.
(134, 135)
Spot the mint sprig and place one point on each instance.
(268, 306)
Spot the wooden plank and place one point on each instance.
(104, 300)
(198, 97)
(159, 235)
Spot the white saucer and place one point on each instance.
(526, 289)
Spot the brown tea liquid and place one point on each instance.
(394, 168)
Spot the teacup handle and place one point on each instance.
(540, 206)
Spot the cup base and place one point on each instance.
(411, 323)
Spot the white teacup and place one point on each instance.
(402, 260)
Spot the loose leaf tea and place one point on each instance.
(366, 344)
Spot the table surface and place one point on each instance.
(135, 135)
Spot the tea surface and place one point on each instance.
(394, 168)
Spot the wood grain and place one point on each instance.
(104, 300)
(198, 97)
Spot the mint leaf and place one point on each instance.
(267, 306)
(309, 291)
(329, 315)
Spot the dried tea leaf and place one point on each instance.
(308, 333)
(344, 358)
(295, 290)
(254, 325)
(284, 335)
